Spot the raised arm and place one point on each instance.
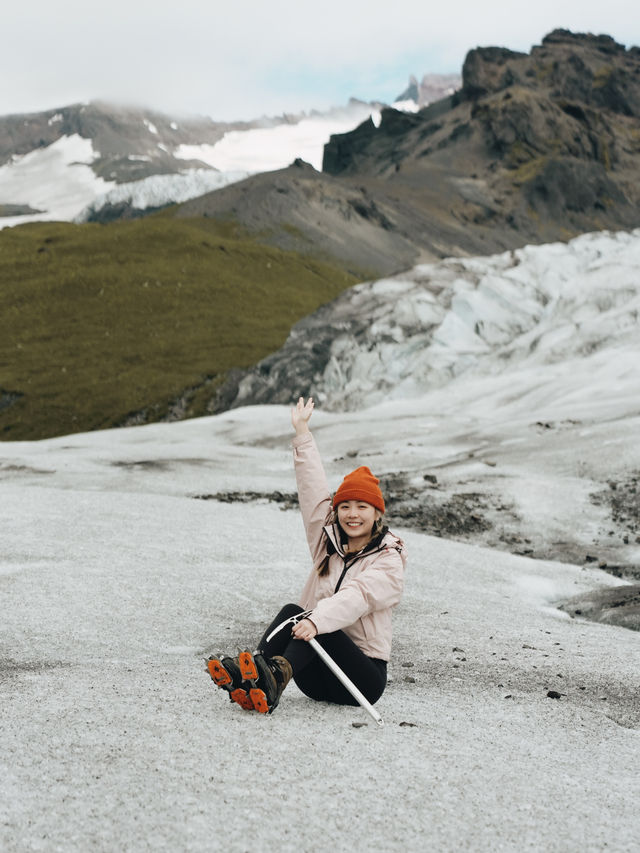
(313, 489)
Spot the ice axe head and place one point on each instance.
(293, 620)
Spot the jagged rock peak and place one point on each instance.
(534, 148)
(486, 70)
(299, 163)
(431, 88)
(603, 43)
(412, 92)
(593, 69)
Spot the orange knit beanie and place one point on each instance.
(360, 485)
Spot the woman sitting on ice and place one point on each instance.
(356, 580)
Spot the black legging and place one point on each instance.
(312, 675)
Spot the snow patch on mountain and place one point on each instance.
(57, 180)
(160, 190)
(406, 106)
(265, 149)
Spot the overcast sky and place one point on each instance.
(241, 60)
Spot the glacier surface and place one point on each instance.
(507, 724)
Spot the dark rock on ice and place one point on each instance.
(617, 605)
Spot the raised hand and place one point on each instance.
(300, 414)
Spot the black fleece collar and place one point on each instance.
(335, 544)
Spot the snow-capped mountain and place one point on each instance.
(70, 163)
(73, 162)
(516, 156)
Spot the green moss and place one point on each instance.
(602, 76)
(543, 71)
(97, 322)
(528, 171)
(517, 154)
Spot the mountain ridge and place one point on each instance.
(542, 144)
(119, 133)
(533, 148)
(63, 164)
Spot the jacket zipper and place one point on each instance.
(347, 564)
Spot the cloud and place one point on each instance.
(242, 60)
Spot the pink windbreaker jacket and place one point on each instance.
(369, 584)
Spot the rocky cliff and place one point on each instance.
(539, 146)
(532, 148)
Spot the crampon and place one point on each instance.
(225, 672)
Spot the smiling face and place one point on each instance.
(357, 518)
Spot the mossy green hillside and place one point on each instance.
(98, 322)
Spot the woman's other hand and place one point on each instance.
(300, 415)
(304, 630)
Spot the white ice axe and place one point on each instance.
(333, 666)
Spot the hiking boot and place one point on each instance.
(268, 678)
(225, 672)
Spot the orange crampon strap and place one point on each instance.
(218, 673)
(259, 700)
(248, 668)
(241, 697)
